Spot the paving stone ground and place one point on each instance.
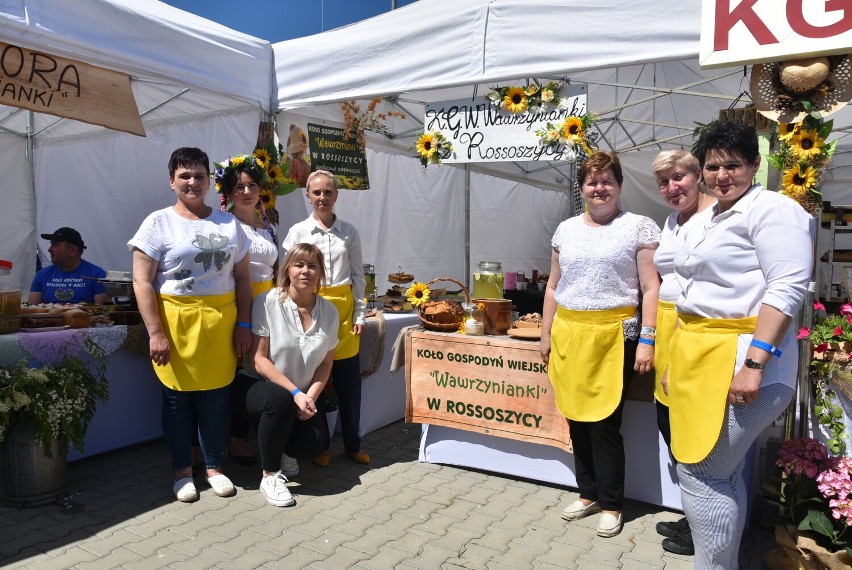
(394, 513)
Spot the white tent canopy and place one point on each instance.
(196, 83)
(643, 78)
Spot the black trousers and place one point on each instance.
(346, 380)
(599, 449)
(278, 429)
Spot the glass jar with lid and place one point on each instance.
(488, 280)
(370, 279)
(10, 299)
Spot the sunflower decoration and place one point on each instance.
(799, 180)
(515, 100)
(432, 147)
(802, 158)
(418, 294)
(786, 131)
(532, 98)
(806, 144)
(572, 132)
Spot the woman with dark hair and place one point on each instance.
(295, 334)
(341, 246)
(239, 182)
(733, 357)
(192, 283)
(678, 177)
(601, 261)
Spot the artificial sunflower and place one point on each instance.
(786, 131)
(515, 100)
(418, 294)
(237, 160)
(267, 196)
(426, 146)
(572, 128)
(807, 144)
(532, 89)
(262, 157)
(799, 180)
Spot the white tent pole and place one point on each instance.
(467, 226)
(31, 168)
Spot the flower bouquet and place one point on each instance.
(59, 400)
(831, 338)
(815, 501)
(533, 97)
(803, 157)
(432, 147)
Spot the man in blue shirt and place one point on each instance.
(66, 280)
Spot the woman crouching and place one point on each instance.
(294, 337)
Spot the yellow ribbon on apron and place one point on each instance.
(586, 364)
(666, 323)
(258, 287)
(702, 359)
(200, 330)
(348, 342)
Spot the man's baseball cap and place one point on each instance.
(69, 235)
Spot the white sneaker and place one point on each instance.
(185, 491)
(289, 466)
(274, 488)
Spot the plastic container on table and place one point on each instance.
(10, 299)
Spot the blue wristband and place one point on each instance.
(295, 392)
(244, 325)
(647, 341)
(773, 350)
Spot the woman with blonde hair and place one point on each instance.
(294, 337)
(678, 176)
(340, 244)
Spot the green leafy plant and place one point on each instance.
(60, 400)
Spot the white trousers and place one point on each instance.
(713, 492)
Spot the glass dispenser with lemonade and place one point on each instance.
(488, 280)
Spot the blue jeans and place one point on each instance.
(211, 410)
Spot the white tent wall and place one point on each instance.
(17, 215)
(195, 82)
(104, 186)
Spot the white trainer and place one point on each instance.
(274, 488)
(289, 466)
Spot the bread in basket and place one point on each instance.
(444, 315)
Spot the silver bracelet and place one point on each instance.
(648, 331)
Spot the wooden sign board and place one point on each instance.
(491, 385)
(738, 32)
(45, 83)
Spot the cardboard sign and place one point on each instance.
(491, 385)
(482, 132)
(737, 32)
(343, 156)
(59, 86)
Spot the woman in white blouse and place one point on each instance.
(239, 182)
(678, 176)
(341, 246)
(295, 334)
(601, 261)
(734, 355)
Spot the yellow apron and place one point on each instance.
(666, 322)
(702, 359)
(200, 331)
(586, 364)
(258, 287)
(341, 297)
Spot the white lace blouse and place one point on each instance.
(598, 264)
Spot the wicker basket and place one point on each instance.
(442, 327)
